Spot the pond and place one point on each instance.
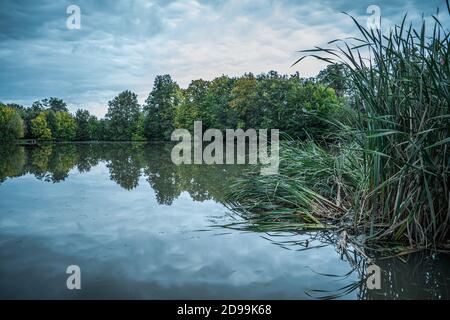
(140, 227)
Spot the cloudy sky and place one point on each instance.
(123, 44)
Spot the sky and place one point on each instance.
(124, 44)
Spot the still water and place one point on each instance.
(140, 227)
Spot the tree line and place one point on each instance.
(269, 100)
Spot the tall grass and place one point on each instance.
(393, 174)
(312, 184)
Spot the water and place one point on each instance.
(140, 227)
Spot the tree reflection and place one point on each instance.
(12, 161)
(161, 173)
(87, 157)
(126, 163)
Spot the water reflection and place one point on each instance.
(162, 231)
(126, 162)
(423, 275)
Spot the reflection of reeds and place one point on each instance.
(417, 275)
(388, 177)
(311, 240)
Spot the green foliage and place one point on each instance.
(102, 130)
(54, 104)
(49, 125)
(217, 102)
(40, 129)
(52, 121)
(335, 77)
(289, 103)
(307, 107)
(17, 107)
(138, 134)
(94, 128)
(193, 107)
(123, 114)
(405, 96)
(28, 115)
(387, 177)
(310, 189)
(243, 102)
(57, 105)
(159, 108)
(11, 124)
(85, 125)
(269, 100)
(66, 127)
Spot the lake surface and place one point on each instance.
(140, 227)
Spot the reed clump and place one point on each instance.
(385, 176)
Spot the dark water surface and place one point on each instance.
(140, 227)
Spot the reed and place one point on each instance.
(388, 174)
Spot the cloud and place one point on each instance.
(125, 44)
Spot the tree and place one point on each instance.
(306, 108)
(334, 76)
(93, 124)
(52, 121)
(50, 106)
(244, 102)
(40, 129)
(123, 113)
(159, 109)
(100, 129)
(11, 124)
(289, 103)
(84, 126)
(217, 103)
(138, 132)
(66, 126)
(271, 99)
(29, 114)
(18, 107)
(193, 107)
(55, 104)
